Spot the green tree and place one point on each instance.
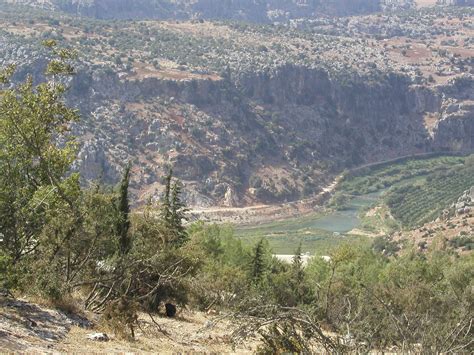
(33, 120)
(173, 211)
(178, 215)
(165, 212)
(53, 232)
(258, 263)
(123, 209)
(300, 288)
(297, 264)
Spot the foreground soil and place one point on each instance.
(31, 328)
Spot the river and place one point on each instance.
(345, 220)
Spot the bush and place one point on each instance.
(282, 339)
(121, 317)
(7, 276)
(384, 245)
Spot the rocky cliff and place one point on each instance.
(265, 136)
(455, 126)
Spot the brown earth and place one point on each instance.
(27, 327)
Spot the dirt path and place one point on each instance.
(191, 332)
(265, 213)
(327, 189)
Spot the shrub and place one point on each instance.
(121, 317)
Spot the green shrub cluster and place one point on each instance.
(407, 302)
(466, 242)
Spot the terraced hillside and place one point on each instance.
(381, 176)
(421, 202)
(415, 190)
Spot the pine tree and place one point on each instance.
(297, 258)
(178, 210)
(173, 211)
(166, 200)
(123, 209)
(258, 263)
(297, 277)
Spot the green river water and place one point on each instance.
(317, 232)
(347, 219)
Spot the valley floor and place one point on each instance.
(266, 213)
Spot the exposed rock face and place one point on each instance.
(455, 129)
(98, 337)
(220, 135)
(93, 164)
(27, 327)
(464, 204)
(249, 114)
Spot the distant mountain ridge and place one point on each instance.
(456, 2)
(248, 10)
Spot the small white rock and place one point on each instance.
(98, 337)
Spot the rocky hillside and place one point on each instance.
(248, 10)
(456, 2)
(248, 114)
(454, 229)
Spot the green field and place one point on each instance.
(284, 236)
(417, 189)
(412, 190)
(378, 177)
(421, 202)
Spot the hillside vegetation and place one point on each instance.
(117, 116)
(83, 248)
(423, 201)
(257, 11)
(381, 176)
(415, 190)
